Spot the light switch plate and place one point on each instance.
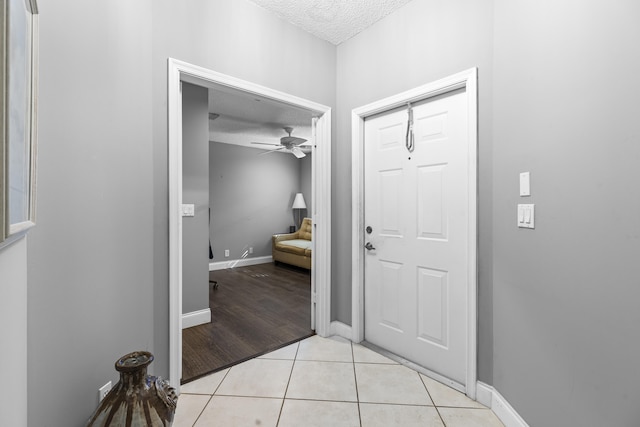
(188, 210)
(526, 215)
(525, 184)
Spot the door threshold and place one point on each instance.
(244, 359)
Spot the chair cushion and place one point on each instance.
(305, 229)
(296, 246)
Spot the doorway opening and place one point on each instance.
(424, 278)
(320, 194)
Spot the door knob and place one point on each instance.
(369, 246)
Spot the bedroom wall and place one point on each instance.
(251, 198)
(423, 41)
(195, 190)
(566, 109)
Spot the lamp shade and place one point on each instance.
(298, 202)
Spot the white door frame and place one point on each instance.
(179, 71)
(468, 80)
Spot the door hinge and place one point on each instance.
(313, 298)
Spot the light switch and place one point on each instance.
(526, 216)
(525, 184)
(188, 210)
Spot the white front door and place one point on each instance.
(417, 206)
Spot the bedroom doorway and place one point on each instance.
(320, 183)
(243, 184)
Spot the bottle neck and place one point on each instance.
(135, 378)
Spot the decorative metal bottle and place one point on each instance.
(137, 399)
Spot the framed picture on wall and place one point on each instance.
(18, 89)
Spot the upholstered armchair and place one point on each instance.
(294, 248)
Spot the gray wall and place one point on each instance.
(98, 258)
(566, 337)
(420, 43)
(251, 198)
(13, 333)
(90, 257)
(195, 190)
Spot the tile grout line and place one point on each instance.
(432, 401)
(355, 380)
(221, 381)
(286, 389)
(211, 397)
(202, 411)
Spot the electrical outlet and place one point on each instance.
(226, 253)
(250, 250)
(102, 391)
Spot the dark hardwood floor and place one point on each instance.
(254, 310)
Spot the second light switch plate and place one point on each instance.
(526, 216)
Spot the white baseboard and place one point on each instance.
(506, 413)
(196, 318)
(484, 394)
(222, 265)
(491, 398)
(340, 329)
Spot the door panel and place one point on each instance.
(391, 309)
(417, 204)
(431, 215)
(432, 306)
(390, 214)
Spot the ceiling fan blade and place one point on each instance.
(297, 152)
(271, 151)
(266, 143)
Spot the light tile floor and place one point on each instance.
(325, 382)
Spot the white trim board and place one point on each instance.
(179, 71)
(196, 318)
(340, 329)
(491, 398)
(467, 80)
(243, 262)
(484, 394)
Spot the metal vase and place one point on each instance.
(137, 399)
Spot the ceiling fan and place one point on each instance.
(287, 143)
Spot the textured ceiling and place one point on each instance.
(332, 20)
